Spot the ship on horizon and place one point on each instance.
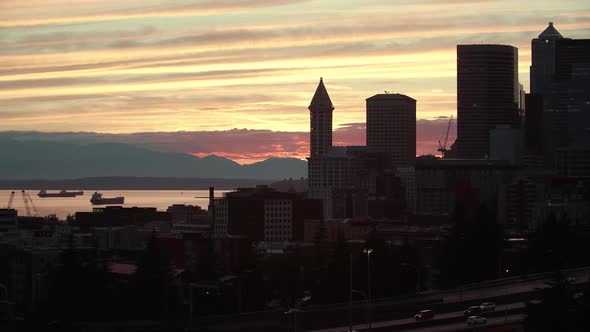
(62, 193)
(97, 199)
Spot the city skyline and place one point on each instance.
(214, 66)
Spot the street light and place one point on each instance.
(368, 251)
(350, 291)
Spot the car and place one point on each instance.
(487, 306)
(424, 314)
(476, 320)
(474, 310)
(571, 280)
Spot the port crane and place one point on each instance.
(10, 200)
(28, 200)
(442, 147)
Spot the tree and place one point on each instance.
(151, 282)
(66, 281)
(334, 280)
(471, 252)
(553, 247)
(78, 286)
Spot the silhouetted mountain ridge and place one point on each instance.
(32, 159)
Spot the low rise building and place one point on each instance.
(263, 214)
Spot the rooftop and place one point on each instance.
(550, 32)
(321, 99)
(390, 96)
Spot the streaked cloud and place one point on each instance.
(201, 66)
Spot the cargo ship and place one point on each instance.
(97, 199)
(62, 193)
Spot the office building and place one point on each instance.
(8, 220)
(542, 71)
(444, 184)
(391, 127)
(358, 181)
(263, 214)
(488, 95)
(560, 75)
(113, 216)
(507, 144)
(534, 124)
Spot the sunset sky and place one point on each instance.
(132, 66)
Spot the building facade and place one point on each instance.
(488, 95)
(349, 179)
(391, 127)
(263, 214)
(320, 112)
(8, 220)
(560, 75)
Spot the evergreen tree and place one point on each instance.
(334, 282)
(472, 250)
(152, 282)
(66, 283)
(322, 245)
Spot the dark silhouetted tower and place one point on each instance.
(487, 95)
(320, 135)
(560, 75)
(391, 127)
(542, 69)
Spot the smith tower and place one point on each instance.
(320, 122)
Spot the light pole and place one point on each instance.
(190, 306)
(368, 251)
(4, 294)
(350, 292)
(292, 313)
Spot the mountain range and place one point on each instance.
(50, 160)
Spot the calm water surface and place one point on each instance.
(62, 206)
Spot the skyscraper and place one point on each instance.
(543, 59)
(391, 127)
(487, 95)
(320, 121)
(560, 75)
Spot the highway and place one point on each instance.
(407, 324)
(495, 321)
(396, 313)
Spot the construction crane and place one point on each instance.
(27, 199)
(10, 200)
(442, 147)
(32, 205)
(27, 208)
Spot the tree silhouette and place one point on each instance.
(472, 250)
(151, 282)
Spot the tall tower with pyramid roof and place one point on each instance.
(560, 77)
(320, 132)
(543, 60)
